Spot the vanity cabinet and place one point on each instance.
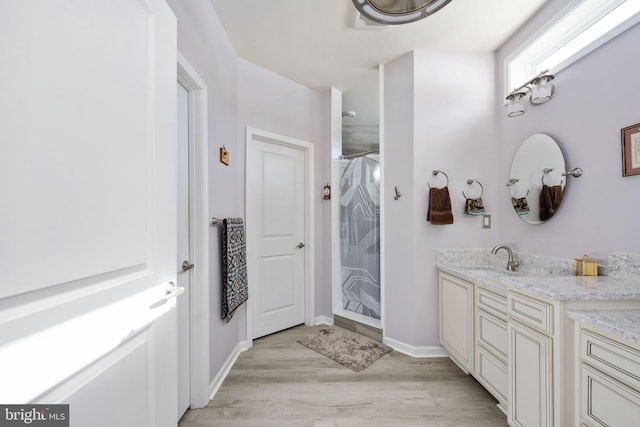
(544, 378)
(530, 374)
(456, 320)
(531, 342)
(609, 381)
(492, 344)
(473, 331)
(522, 337)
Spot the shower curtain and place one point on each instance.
(360, 235)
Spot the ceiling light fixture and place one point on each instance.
(394, 12)
(540, 88)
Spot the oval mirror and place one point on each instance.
(536, 182)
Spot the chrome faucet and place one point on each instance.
(511, 264)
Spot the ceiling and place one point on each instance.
(315, 43)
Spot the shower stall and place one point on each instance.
(358, 297)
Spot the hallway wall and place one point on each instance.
(205, 45)
(242, 94)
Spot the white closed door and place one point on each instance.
(184, 266)
(276, 235)
(88, 224)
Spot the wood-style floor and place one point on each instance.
(280, 383)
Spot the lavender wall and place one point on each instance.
(241, 94)
(399, 285)
(438, 114)
(270, 102)
(595, 98)
(205, 45)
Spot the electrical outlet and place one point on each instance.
(486, 221)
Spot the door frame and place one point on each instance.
(199, 230)
(309, 229)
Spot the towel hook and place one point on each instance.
(512, 181)
(470, 182)
(398, 193)
(436, 172)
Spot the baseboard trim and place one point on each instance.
(413, 351)
(226, 367)
(324, 320)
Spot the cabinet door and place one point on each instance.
(606, 402)
(530, 377)
(456, 320)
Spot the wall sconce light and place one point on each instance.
(326, 192)
(540, 89)
(516, 104)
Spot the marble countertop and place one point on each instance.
(576, 288)
(560, 288)
(624, 324)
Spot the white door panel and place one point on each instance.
(276, 178)
(277, 274)
(87, 175)
(183, 250)
(68, 95)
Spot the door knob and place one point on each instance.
(186, 265)
(300, 245)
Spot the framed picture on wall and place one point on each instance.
(630, 139)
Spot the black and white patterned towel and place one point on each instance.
(234, 267)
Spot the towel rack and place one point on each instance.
(470, 182)
(436, 172)
(215, 221)
(576, 173)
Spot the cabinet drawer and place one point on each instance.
(530, 311)
(492, 373)
(605, 402)
(495, 304)
(612, 358)
(492, 334)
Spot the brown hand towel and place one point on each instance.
(439, 212)
(550, 199)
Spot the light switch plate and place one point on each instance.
(486, 221)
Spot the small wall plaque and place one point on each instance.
(224, 155)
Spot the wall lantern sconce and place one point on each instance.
(540, 90)
(326, 192)
(394, 12)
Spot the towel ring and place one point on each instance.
(512, 183)
(436, 172)
(546, 171)
(470, 182)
